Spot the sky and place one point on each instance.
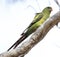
(16, 15)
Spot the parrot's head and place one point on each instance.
(47, 10)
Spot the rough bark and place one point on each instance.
(35, 38)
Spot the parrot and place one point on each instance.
(38, 20)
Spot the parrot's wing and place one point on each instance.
(37, 17)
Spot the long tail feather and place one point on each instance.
(17, 42)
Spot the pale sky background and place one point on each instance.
(16, 15)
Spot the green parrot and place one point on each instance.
(38, 20)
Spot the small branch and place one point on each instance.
(56, 1)
(35, 38)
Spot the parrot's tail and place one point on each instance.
(17, 42)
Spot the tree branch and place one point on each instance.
(35, 38)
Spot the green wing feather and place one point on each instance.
(37, 17)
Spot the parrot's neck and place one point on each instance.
(46, 12)
(46, 15)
